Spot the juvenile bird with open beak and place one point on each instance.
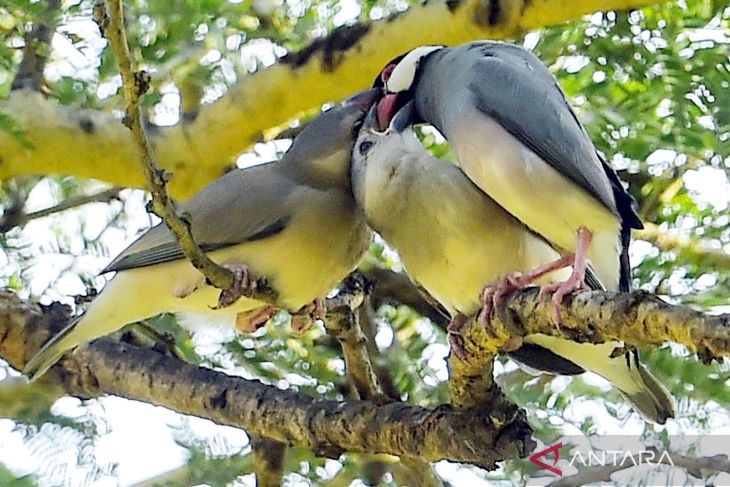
(453, 239)
(516, 137)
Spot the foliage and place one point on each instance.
(651, 86)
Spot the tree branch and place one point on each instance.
(201, 149)
(344, 326)
(36, 50)
(348, 332)
(269, 461)
(638, 319)
(135, 84)
(397, 287)
(20, 219)
(327, 427)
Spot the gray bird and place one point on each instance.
(517, 138)
(293, 222)
(453, 239)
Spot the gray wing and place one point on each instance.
(513, 87)
(241, 206)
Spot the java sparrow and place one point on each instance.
(454, 239)
(517, 138)
(293, 222)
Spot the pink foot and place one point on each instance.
(243, 284)
(303, 319)
(576, 281)
(559, 290)
(249, 322)
(456, 341)
(494, 295)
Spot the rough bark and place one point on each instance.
(494, 431)
(347, 329)
(93, 144)
(269, 463)
(638, 319)
(327, 427)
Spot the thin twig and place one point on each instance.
(369, 329)
(20, 219)
(37, 49)
(135, 84)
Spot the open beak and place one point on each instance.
(404, 118)
(386, 110)
(371, 121)
(364, 99)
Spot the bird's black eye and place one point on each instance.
(365, 146)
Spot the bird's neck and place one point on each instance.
(329, 170)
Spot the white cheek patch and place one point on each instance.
(404, 73)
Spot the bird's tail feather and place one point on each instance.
(52, 351)
(650, 398)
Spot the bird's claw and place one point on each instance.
(303, 319)
(456, 340)
(559, 290)
(243, 284)
(249, 322)
(495, 295)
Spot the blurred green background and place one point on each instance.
(652, 87)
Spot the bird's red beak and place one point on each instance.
(386, 110)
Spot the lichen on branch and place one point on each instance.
(638, 319)
(327, 427)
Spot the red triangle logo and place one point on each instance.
(555, 450)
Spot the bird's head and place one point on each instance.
(398, 80)
(321, 152)
(371, 140)
(335, 129)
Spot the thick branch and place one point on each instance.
(135, 84)
(638, 319)
(327, 427)
(330, 69)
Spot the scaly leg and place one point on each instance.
(303, 319)
(576, 281)
(250, 321)
(456, 342)
(243, 283)
(494, 295)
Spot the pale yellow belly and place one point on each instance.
(537, 194)
(301, 265)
